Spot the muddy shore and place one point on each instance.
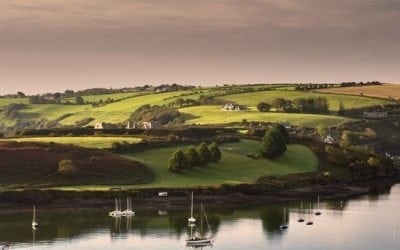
(326, 192)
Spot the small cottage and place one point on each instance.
(232, 107)
(329, 139)
(99, 125)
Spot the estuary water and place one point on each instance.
(367, 222)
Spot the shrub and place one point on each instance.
(263, 107)
(215, 152)
(67, 168)
(192, 156)
(178, 161)
(204, 154)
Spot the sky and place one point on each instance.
(53, 45)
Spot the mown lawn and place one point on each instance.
(234, 167)
(214, 115)
(100, 142)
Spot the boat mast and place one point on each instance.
(284, 215)
(191, 207)
(34, 215)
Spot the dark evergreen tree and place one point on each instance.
(273, 144)
(283, 132)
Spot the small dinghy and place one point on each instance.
(300, 220)
(318, 212)
(309, 223)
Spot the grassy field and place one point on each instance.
(214, 115)
(6, 101)
(96, 98)
(253, 98)
(120, 111)
(99, 142)
(234, 167)
(381, 91)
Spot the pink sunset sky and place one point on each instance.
(53, 45)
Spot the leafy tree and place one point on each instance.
(79, 100)
(20, 94)
(215, 152)
(273, 144)
(280, 103)
(204, 154)
(322, 130)
(192, 156)
(178, 161)
(263, 107)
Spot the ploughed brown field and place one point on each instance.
(26, 163)
(380, 91)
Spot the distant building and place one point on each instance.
(130, 125)
(99, 125)
(329, 139)
(150, 125)
(375, 113)
(286, 125)
(232, 107)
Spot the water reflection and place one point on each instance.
(261, 224)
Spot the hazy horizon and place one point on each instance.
(48, 46)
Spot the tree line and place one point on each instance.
(298, 105)
(194, 157)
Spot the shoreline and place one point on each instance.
(326, 192)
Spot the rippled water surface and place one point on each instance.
(367, 222)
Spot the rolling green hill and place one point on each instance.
(119, 111)
(99, 142)
(253, 98)
(234, 167)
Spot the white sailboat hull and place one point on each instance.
(193, 242)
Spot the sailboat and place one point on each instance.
(318, 212)
(117, 212)
(310, 214)
(200, 241)
(284, 225)
(300, 213)
(4, 246)
(128, 211)
(191, 220)
(35, 224)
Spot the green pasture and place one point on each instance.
(214, 115)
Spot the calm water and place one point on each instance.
(367, 222)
